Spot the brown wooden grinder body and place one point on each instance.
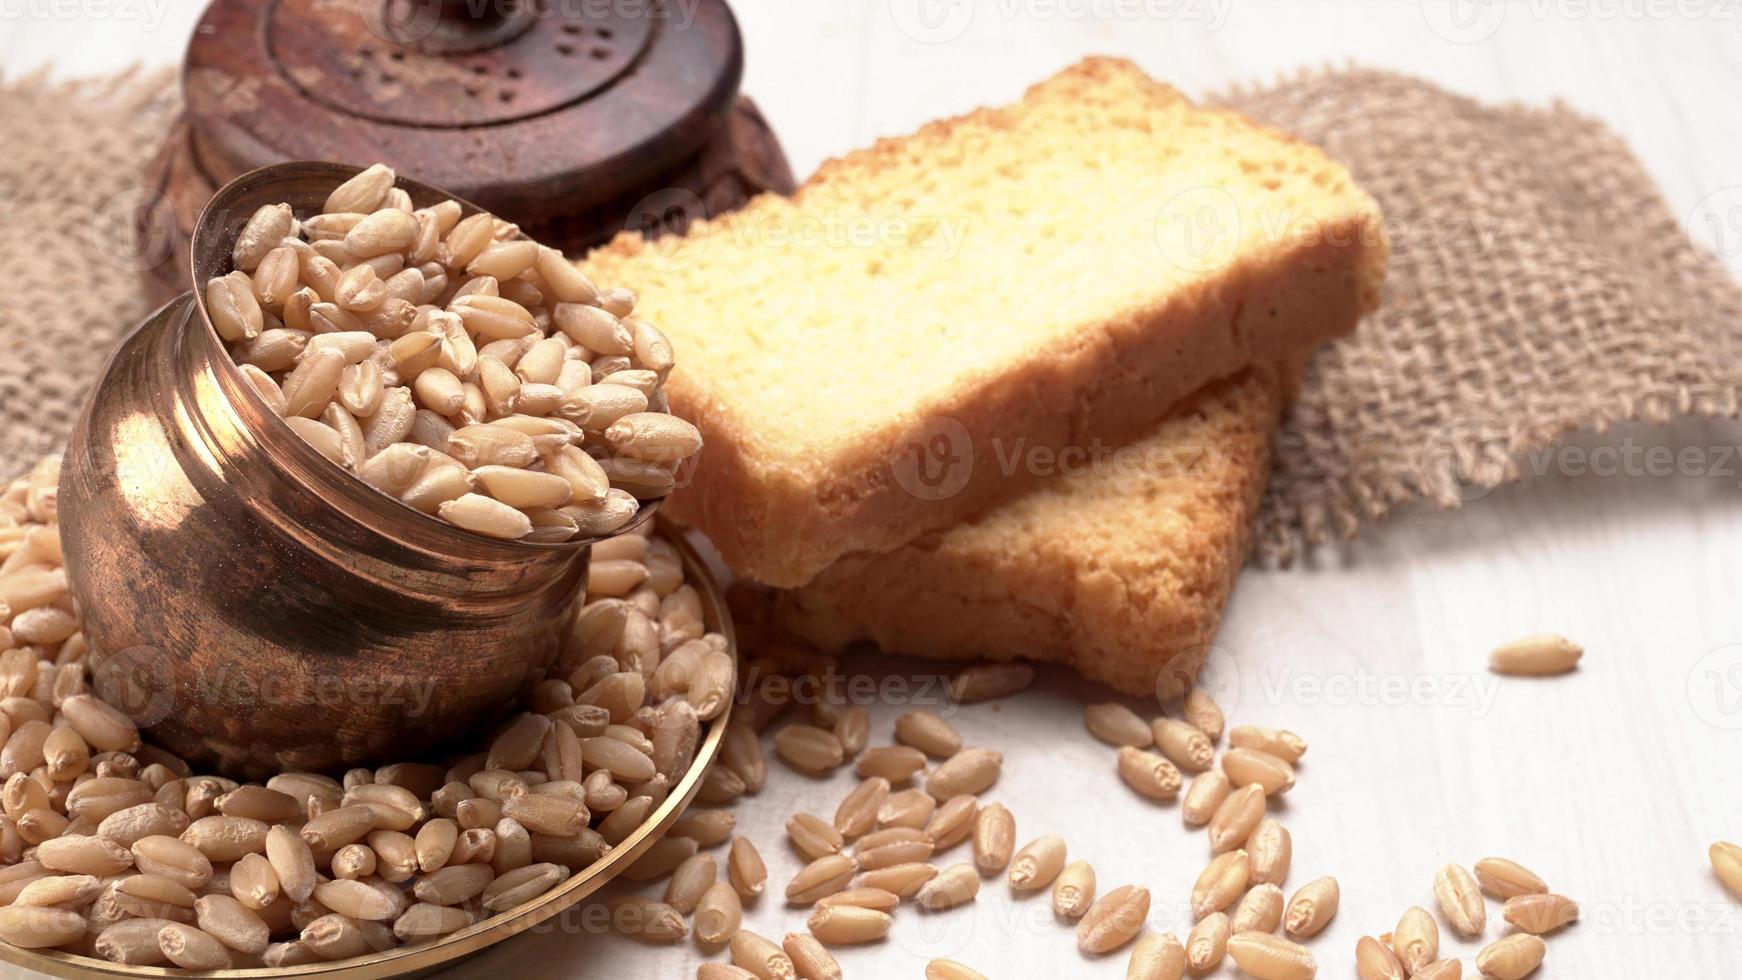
(574, 120)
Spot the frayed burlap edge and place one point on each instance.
(1539, 284)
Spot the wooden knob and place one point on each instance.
(445, 27)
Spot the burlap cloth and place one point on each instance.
(1539, 284)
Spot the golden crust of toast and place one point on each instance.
(1060, 270)
(1119, 567)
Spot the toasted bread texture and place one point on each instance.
(1120, 566)
(1047, 274)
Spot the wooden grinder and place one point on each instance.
(574, 119)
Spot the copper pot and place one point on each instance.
(255, 606)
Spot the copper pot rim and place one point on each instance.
(214, 235)
(422, 958)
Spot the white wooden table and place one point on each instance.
(1610, 782)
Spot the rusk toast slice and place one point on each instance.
(1050, 274)
(1120, 568)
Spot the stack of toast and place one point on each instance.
(1006, 387)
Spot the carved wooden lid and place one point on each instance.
(525, 106)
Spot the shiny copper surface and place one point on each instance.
(546, 912)
(255, 606)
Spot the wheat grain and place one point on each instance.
(1203, 713)
(1149, 774)
(647, 920)
(994, 837)
(869, 898)
(1539, 655)
(1186, 746)
(1038, 863)
(1246, 767)
(1460, 901)
(812, 836)
(928, 733)
(1726, 861)
(987, 682)
(1117, 725)
(1259, 910)
(1279, 742)
(841, 925)
(1374, 960)
(809, 749)
(1074, 890)
(1268, 957)
(809, 958)
(1113, 920)
(1539, 914)
(192, 949)
(1204, 797)
(1416, 940)
(761, 956)
(891, 846)
(1505, 879)
(708, 828)
(895, 763)
(1234, 821)
(904, 880)
(857, 813)
(953, 821)
(823, 877)
(1207, 943)
(956, 885)
(689, 882)
(1312, 908)
(1220, 883)
(1157, 956)
(1272, 851)
(383, 271)
(950, 970)
(744, 868)
(718, 913)
(1512, 958)
(966, 773)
